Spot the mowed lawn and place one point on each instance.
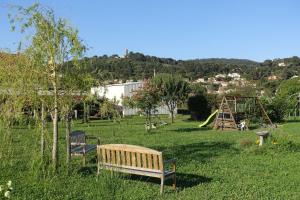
(210, 164)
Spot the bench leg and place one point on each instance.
(162, 185)
(174, 182)
(98, 171)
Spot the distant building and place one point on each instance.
(234, 75)
(281, 64)
(220, 76)
(200, 80)
(294, 76)
(118, 91)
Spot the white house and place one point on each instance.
(281, 64)
(118, 91)
(234, 75)
(220, 76)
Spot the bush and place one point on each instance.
(276, 108)
(198, 103)
(198, 107)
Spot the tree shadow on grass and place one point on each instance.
(199, 152)
(196, 153)
(87, 170)
(190, 180)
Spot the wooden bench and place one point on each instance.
(136, 160)
(78, 146)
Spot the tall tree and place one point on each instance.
(173, 89)
(53, 43)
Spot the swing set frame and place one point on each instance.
(229, 114)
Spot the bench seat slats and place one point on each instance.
(118, 158)
(113, 156)
(133, 159)
(123, 157)
(108, 155)
(150, 163)
(103, 155)
(138, 159)
(144, 160)
(128, 163)
(155, 162)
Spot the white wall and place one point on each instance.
(117, 91)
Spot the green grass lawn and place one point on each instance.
(211, 164)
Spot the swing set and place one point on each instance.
(237, 112)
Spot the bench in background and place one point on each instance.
(78, 145)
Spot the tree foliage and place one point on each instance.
(52, 43)
(172, 90)
(146, 99)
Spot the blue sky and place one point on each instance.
(186, 29)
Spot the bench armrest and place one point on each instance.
(172, 162)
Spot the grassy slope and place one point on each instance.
(211, 165)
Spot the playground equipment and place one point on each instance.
(235, 112)
(209, 119)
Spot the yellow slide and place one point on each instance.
(208, 120)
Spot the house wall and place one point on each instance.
(117, 91)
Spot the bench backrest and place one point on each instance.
(77, 138)
(130, 156)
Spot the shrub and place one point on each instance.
(276, 108)
(198, 103)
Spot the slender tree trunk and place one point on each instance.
(68, 132)
(84, 113)
(150, 123)
(88, 112)
(171, 106)
(43, 119)
(172, 116)
(55, 127)
(171, 111)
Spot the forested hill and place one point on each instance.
(137, 66)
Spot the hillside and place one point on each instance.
(136, 66)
